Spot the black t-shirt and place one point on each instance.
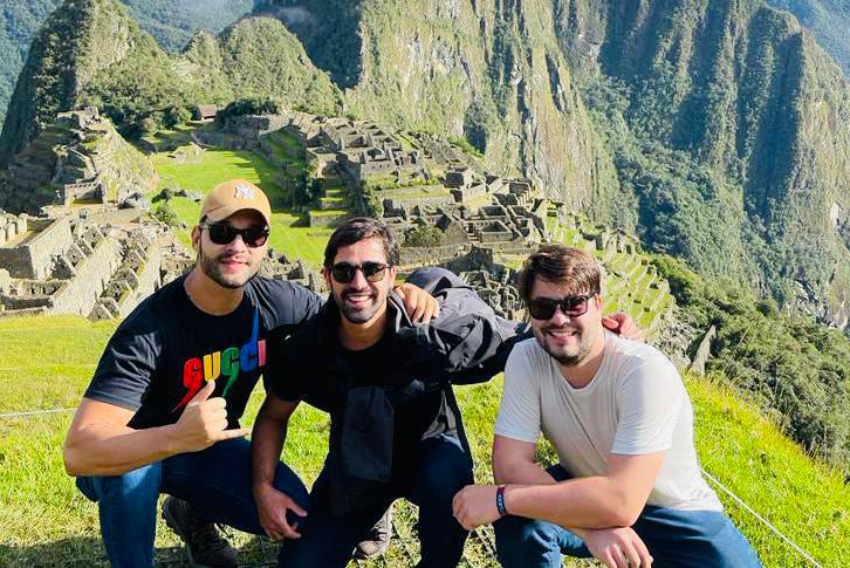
(167, 349)
(313, 367)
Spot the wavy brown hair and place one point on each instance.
(557, 263)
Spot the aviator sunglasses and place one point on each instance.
(344, 272)
(571, 306)
(222, 234)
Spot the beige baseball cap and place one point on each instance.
(235, 195)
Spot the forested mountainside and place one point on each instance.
(726, 121)
(829, 20)
(715, 129)
(172, 23)
(91, 52)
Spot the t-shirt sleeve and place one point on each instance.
(284, 375)
(649, 401)
(126, 367)
(519, 412)
(305, 304)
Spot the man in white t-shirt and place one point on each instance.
(628, 485)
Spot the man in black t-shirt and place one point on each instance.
(396, 429)
(161, 414)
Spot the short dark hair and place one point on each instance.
(557, 263)
(360, 229)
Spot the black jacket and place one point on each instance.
(467, 343)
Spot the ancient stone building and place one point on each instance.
(78, 158)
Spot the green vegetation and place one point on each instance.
(243, 107)
(288, 236)
(90, 52)
(805, 500)
(828, 20)
(164, 213)
(425, 236)
(19, 21)
(796, 370)
(171, 22)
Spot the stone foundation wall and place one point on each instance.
(149, 281)
(79, 295)
(34, 259)
(424, 256)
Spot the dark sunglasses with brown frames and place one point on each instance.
(571, 306)
(344, 272)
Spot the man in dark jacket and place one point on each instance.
(396, 430)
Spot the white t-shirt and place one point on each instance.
(636, 404)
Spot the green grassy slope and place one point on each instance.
(45, 521)
(289, 234)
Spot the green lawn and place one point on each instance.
(289, 236)
(44, 521)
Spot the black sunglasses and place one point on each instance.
(572, 306)
(344, 272)
(222, 234)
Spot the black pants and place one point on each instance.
(442, 469)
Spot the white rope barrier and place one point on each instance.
(764, 521)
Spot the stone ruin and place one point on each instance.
(280, 267)
(79, 158)
(69, 264)
(494, 282)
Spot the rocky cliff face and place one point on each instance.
(79, 39)
(726, 121)
(747, 97)
(491, 71)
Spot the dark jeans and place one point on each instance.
(441, 469)
(674, 538)
(216, 482)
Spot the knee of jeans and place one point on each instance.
(137, 484)
(442, 480)
(86, 487)
(287, 481)
(517, 534)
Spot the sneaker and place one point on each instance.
(206, 548)
(378, 539)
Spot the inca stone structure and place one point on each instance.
(100, 266)
(80, 158)
(83, 255)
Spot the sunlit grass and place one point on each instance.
(44, 521)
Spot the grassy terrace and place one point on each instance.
(289, 236)
(632, 294)
(807, 501)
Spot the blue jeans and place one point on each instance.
(441, 468)
(217, 482)
(674, 538)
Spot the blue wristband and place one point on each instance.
(500, 501)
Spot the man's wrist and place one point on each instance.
(500, 501)
(173, 441)
(261, 487)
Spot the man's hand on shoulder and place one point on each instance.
(617, 547)
(421, 306)
(204, 422)
(623, 325)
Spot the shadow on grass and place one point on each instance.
(89, 552)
